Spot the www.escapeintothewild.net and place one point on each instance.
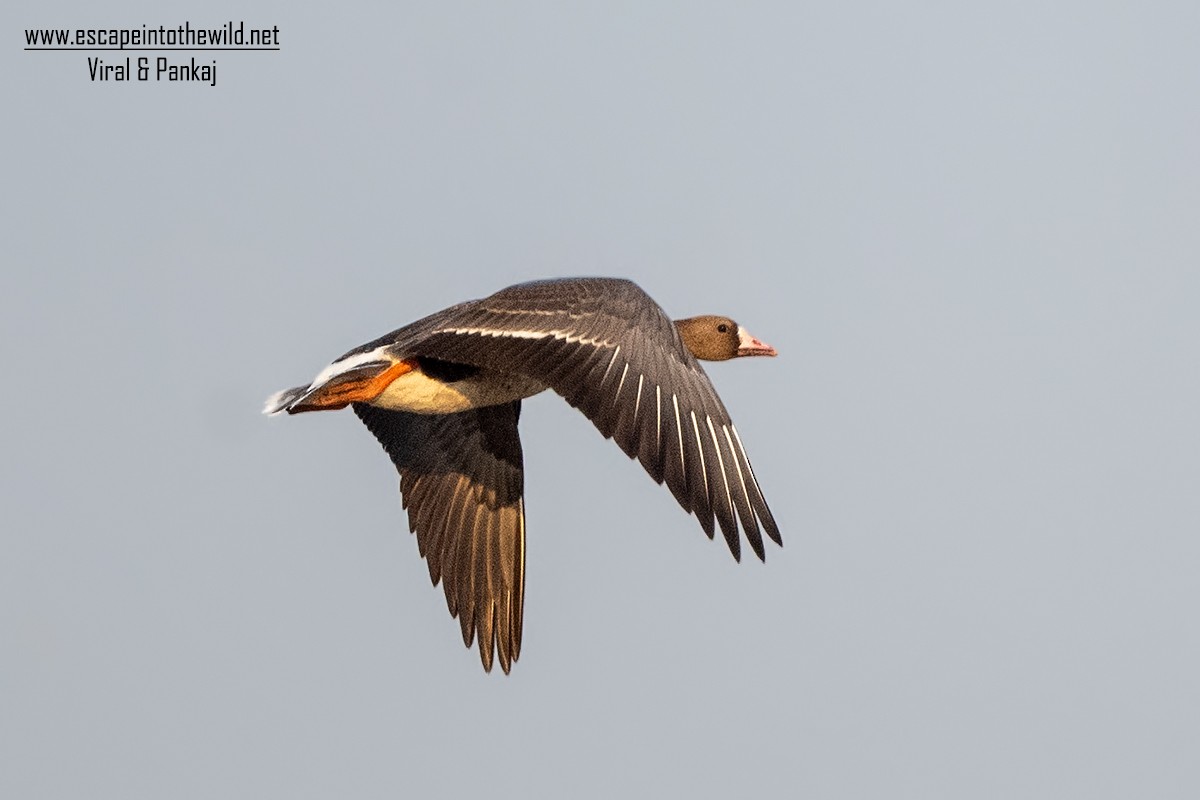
(229, 37)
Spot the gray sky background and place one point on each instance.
(973, 234)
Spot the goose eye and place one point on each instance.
(723, 328)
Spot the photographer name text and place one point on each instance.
(159, 69)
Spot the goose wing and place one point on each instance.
(613, 353)
(462, 480)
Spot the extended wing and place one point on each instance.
(611, 352)
(462, 480)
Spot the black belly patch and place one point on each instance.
(446, 371)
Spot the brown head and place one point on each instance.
(712, 338)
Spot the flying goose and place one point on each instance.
(443, 396)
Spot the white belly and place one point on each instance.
(416, 392)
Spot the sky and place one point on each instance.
(969, 229)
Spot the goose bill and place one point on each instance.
(749, 346)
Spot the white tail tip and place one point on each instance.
(280, 401)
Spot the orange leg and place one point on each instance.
(359, 385)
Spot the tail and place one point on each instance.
(283, 401)
(358, 378)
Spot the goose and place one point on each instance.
(443, 397)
